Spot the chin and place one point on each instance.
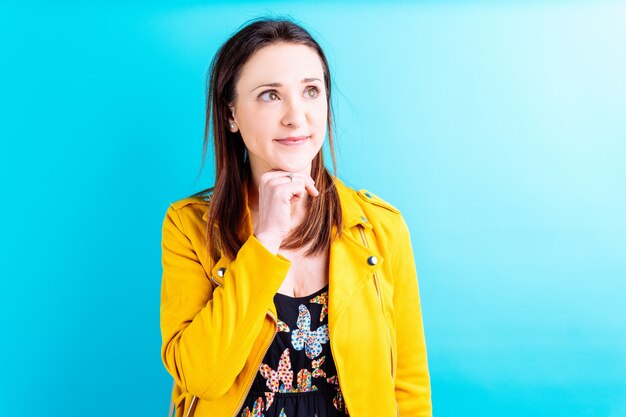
(295, 167)
(295, 164)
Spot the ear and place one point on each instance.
(232, 123)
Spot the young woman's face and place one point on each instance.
(283, 125)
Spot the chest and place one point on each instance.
(306, 275)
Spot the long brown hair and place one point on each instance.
(232, 167)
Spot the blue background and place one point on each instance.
(498, 128)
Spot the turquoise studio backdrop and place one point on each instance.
(497, 128)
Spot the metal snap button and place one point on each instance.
(372, 260)
(220, 272)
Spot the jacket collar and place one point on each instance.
(351, 211)
(348, 258)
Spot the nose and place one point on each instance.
(295, 113)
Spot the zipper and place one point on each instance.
(243, 398)
(194, 399)
(191, 406)
(381, 305)
(345, 398)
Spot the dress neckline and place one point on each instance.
(316, 293)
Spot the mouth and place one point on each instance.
(293, 140)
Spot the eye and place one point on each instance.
(269, 94)
(313, 92)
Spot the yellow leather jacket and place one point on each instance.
(218, 319)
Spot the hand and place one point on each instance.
(277, 193)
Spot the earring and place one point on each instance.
(232, 125)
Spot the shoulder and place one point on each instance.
(369, 204)
(383, 216)
(372, 199)
(363, 197)
(184, 227)
(193, 202)
(189, 211)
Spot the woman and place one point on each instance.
(284, 292)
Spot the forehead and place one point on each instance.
(281, 62)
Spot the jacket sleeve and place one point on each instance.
(208, 333)
(412, 376)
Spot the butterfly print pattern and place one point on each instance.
(282, 326)
(304, 337)
(304, 381)
(257, 409)
(338, 401)
(323, 300)
(280, 380)
(298, 361)
(317, 371)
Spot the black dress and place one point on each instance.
(297, 377)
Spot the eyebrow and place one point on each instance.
(305, 80)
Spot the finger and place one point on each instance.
(282, 180)
(274, 173)
(269, 176)
(307, 183)
(310, 187)
(278, 172)
(286, 188)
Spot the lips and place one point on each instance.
(292, 140)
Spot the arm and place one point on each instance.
(208, 333)
(412, 377)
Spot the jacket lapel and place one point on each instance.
(349, 268)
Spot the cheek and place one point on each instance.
(254, 124)
(320, 114)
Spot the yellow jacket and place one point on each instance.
(218, 319)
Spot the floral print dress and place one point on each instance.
(297, 377)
